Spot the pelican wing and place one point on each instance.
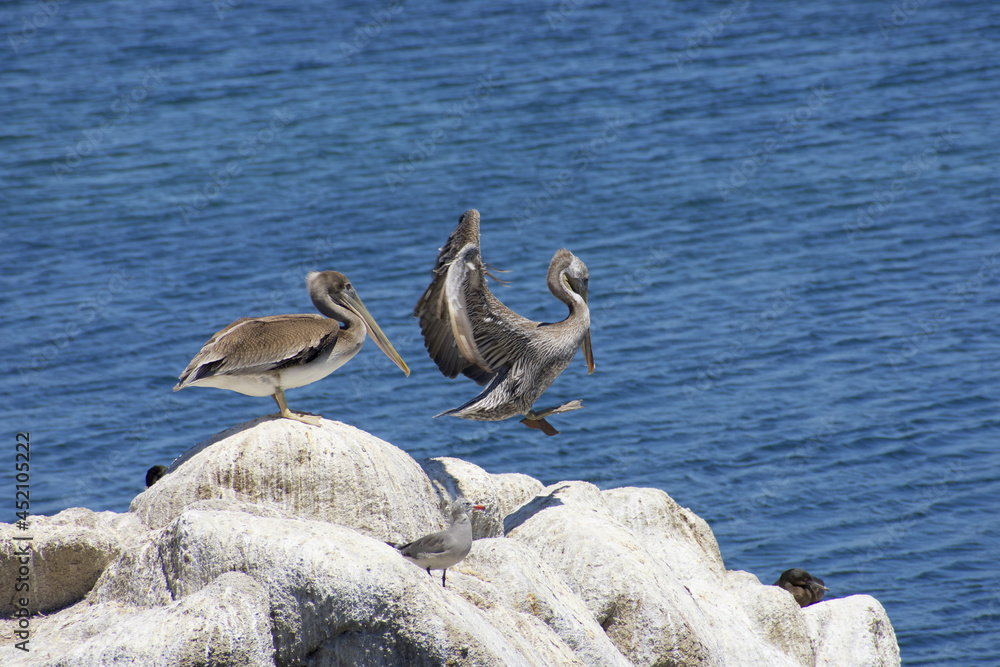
(466, 329)
(437, 324)
(261, 344)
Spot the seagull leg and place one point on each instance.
(444, 572)
(537, 419)
(279, 398)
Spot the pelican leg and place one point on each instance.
(537, 419)
(279, 398)
(565, 407)
(541, 425)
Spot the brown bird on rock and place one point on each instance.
(806, 588)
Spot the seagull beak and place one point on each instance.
(478, 507)
(353, 301)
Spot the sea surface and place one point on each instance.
(789, 212)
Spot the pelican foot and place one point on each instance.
(541, 425)
(312, 420)
(279, 398)
(565, 407)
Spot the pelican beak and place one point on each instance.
(353, 301)
(588, 352)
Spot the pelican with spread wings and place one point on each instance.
(467, 330)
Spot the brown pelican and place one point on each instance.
(263, 356)
(467, 330)
(806, 588)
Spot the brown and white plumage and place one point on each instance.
(263, 356)
(468, 330)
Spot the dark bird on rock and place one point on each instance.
(439, 551)
(263, 356)
(806, 588)
(467, 330)
(154, 474)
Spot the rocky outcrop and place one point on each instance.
(69, 553)
(266, 546)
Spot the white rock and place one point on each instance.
(333, 472)
(265, 546)
(837, 624)
(68, 552)
(501, 494)
(507, 579)
(333, 592)
(761, 624)
(226, 623)
(649, 616)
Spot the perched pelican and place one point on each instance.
(467, 330)
(806, 588)
(263, 356)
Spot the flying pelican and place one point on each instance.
(263, 356)
(467, 330)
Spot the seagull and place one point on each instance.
(806, 588)
(468, 330)
(439, 551)
(263, 356)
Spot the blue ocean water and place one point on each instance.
(789, 213)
